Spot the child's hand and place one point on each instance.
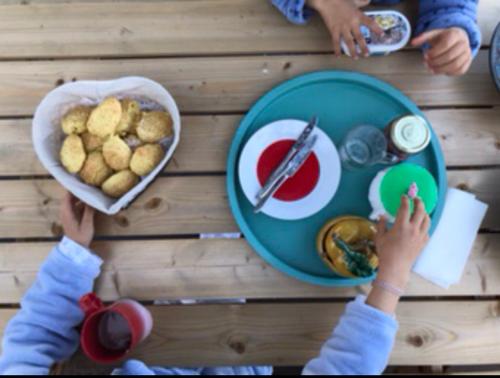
(399, 247)
(343, 19)
(77, 220)
(450, 51)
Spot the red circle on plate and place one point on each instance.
(296, 187)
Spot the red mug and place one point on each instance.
(134, 319)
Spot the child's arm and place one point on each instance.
(450, 28)
(360, 344)
(43, 331)
(363, 340)
(342, 18)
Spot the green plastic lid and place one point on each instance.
(410, 134)
(399, 179)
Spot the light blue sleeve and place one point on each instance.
(295, 11)
(134, 367)
(360, 344)
(43, 331)
(444, 14)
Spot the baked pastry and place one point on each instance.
(154, 126)
(120, 183)
(72, 153)
(105, 118)
(116, 153)
(95, 170)
(131, 114)
(390, 184)
(146, 158)
(75, 121)
(91, 142)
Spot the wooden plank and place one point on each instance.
(206, 139)
(431, 333)
(218, 269)
(484, 184)
(458, 332)
(233, 84)
(468, 136)
(291, 334)
(33, 29)
(173, 205)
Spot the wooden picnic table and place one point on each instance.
(217, 57)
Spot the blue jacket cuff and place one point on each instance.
(451, 13)
(358, 308)
(296, 11)
(81, 260)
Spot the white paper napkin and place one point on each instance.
(443, 259)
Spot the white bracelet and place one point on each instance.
(388, 287)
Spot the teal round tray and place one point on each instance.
(341, 100)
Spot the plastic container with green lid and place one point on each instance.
(390, 184)
(408, 135)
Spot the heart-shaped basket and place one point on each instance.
(48, 135)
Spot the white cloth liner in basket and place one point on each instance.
(47, 134)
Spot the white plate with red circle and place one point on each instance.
(304, 194)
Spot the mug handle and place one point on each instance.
(90, 304)
(389, 159)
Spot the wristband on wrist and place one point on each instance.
(398, 292)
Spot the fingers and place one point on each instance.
(335, 33)
(441, 46)
(78, 208)
(88, 217)
(382, 226)
(419, 212)
(372, 24)
(360, 40)
(426, 224)
(403, 215)
(457, 66)
(426, 37)
(447, 40)
(450, 52)
(67, 212)
(464, 68)
(67, 200)
(445, 58)
(349, 41)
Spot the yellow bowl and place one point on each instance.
(351, 229)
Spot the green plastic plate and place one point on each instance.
(342, 100)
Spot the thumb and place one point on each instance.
(381, 226)
(372, 24)
(426, 37)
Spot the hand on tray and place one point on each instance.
(399, 247)
(77, 220)
(343, 20)
(449, 51)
